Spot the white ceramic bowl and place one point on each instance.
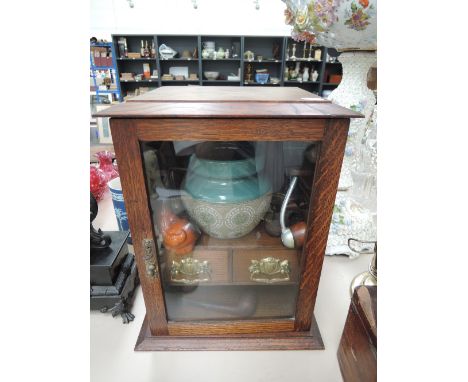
(211, 75)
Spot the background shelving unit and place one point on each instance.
(111, 67)
(135, 65)
(260, 45)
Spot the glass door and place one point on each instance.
(230, 219)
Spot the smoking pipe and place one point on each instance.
(292, 237)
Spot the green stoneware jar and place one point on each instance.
(223, 192)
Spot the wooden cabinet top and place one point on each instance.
(228, 102)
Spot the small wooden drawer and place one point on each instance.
(203, 266)
(265, 266)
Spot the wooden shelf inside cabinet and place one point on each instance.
(262, 295)
(229, 260)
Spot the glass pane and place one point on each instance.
(216, 212)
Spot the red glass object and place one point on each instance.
(105, 164)
(98, 182)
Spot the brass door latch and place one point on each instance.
(151, 263)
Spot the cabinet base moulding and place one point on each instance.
(311, 340)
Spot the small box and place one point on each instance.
(134, 55)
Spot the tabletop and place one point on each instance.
(227, 102)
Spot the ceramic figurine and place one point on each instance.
(304, 50)
(287, 54)
(235, 49)
(318, 54)
(98, 240)
(286, 73)
(310, 53)
(293, 57)
(297, 70)
(226, 53)
(276, 51)
(315, 75)
(249, 55)
(248, 73)
(292, 74)
(305, 74)
(220, 53)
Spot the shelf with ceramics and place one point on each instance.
(260, 52)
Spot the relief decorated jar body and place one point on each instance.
(223, 191)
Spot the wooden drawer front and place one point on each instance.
(244, 270)
(217, 264)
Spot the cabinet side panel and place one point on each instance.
(324, 188)
(127, 150)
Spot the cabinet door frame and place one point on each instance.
(331, 134)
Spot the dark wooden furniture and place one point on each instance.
(282, 317)
(357, 354)
(117, 298)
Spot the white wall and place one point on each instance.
(229, 17)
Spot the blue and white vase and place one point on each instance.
(115, 188)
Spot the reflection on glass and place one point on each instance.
(216, 209)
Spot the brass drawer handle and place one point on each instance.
(190, 271)
(269, 270)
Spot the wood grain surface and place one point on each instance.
(127, 150)
(308, 340)
(357, 353)
(233, 327)
(227, 110)
(222, 129)
(325, 185)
